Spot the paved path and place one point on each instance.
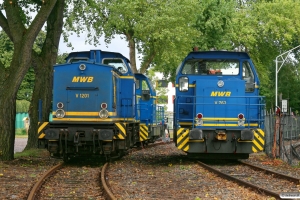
(20, 144)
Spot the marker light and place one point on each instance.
(199, 121)
(241, 116)
(60, 105)
(104, 105)
(199, 115)
(241, 120)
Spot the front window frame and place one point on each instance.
(120, 66)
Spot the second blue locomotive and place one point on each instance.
(100, 107)
(218, 110)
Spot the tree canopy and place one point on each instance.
(161, 28)
(266, 29)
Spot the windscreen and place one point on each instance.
(211, 67)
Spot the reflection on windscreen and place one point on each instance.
(211, 67)
(116, 63)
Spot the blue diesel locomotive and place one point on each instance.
(218, 112)
(100, 107)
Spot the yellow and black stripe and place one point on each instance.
(122, 131)
(143, 132)
(41, 128)
(183, 139)
(259, 140)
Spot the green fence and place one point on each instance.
(19, 120)
(20, 117)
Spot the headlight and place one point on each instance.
(82, 67)
(103, 113)
(60, 113)
(183, 84)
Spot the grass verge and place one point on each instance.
(35, 153)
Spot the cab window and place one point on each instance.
(116, 63)
(248, 77)
(77, 59)
(211, 67)
(145, 91)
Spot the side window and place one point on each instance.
(116, 63)
(145, 91)
(137, 84)
(114, 93)
(248, 77)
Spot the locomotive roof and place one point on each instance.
(104, 54)
(218, 54)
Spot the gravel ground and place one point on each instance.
(154, 173)
(164, 172)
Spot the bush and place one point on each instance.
(22, 106)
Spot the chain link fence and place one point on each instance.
(282, 136)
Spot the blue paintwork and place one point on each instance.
(146, 108)
(198, 99)
(99, 90)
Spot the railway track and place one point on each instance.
(260, 179)
(65, 181)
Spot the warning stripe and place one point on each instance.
(259, 140)
(122, 132)
(41, 128)
(143, 132)
(183, 139)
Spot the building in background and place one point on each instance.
(166, 93)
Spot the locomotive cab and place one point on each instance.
(218, 111)
(147, 110)
(93, 106)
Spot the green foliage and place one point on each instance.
(6, 53)
(160, 30)
(27, 85)
(21, 131)
(6, 49)
(266, 29)
(214, 23)
(61, 58)
(22, 106)
(160, 91)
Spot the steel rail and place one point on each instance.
(41, 181)
(221, 174)
(103, 182)
(276, 174)
(103, 179)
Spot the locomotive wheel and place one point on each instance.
(138, 144)
(145, 143)
(66, 157)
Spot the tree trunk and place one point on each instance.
(23, 40)
(147, 61)
(131, 43)
(7, 125)
(44, 73)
